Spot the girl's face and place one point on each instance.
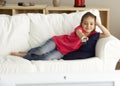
(88, 24)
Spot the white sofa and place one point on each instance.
(24, 31)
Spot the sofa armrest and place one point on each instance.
(107, 49)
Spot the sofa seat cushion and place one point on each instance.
(69, 66)
(13, 64)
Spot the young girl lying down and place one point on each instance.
(59, 46)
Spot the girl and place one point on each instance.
(58, 46)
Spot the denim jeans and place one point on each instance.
(47, 51)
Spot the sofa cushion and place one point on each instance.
(4, 26)
(14, 35)
(13, 64)
(69, 66)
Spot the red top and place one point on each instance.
(69, 43)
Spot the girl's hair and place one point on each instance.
(88, 14)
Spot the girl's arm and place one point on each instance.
(105, 31)
(81, 35)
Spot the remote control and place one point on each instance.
(84, 40)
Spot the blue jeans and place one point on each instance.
(47, 51)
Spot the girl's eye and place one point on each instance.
(85, 23)
(91, 24)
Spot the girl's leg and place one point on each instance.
(20, 54)
(55, 54)
(45, 48)
(38, 52)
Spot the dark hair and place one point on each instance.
(88, 14)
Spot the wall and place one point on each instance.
(112, 4)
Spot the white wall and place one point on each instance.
(114, 6)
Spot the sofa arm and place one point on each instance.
(107, 49)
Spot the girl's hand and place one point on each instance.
(84, 39)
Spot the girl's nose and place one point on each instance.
(88, 25)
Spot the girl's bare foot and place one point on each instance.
(20, 54)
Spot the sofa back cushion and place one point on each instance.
(45, 26)
(14, 33)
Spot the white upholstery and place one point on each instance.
(6, 83)
(24, 31)
(14, 33)
(71, 66)
(107, 49)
